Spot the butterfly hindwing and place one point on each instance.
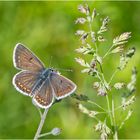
(43, 97)
(61, 85)
(24, 59)
(24, 81)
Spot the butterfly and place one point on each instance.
(42, 84)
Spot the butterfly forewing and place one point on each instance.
(61, 85)
(43, 97)
(24, 81)
(24, 59)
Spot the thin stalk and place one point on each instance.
(96, 119)
(45, 134)
(40, 113)
(119, 107)
(112, 76)
(102, 79)
(109, 110)
(43, 117)
(101, 68)
(97, 105)
(108, 51)
(90, 28)
(104, 111)
(96, 48)
(99, 77)
(115, 136)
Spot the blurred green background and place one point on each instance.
(48, 28)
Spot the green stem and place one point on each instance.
(109, 110)
(101, 67)
(96, 119)
(112, 76)
(115, 136)
(96, 48)
(108, 51)
(96, 105)
(119, 107)
(99, 77)
(90, 28)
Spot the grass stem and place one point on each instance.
(109, 110)
(115, 135)
(43, 117)
(97, 105)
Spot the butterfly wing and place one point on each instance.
(43, 97)
(24, 81)
(24, 59)
(61, 85)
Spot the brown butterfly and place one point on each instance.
(34, 80)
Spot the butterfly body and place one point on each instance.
(34, 80)
(42, 77)
(46, 73)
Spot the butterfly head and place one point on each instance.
(53, 70)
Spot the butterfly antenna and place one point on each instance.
(50, 61)
(59, 68)
(64, 69)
